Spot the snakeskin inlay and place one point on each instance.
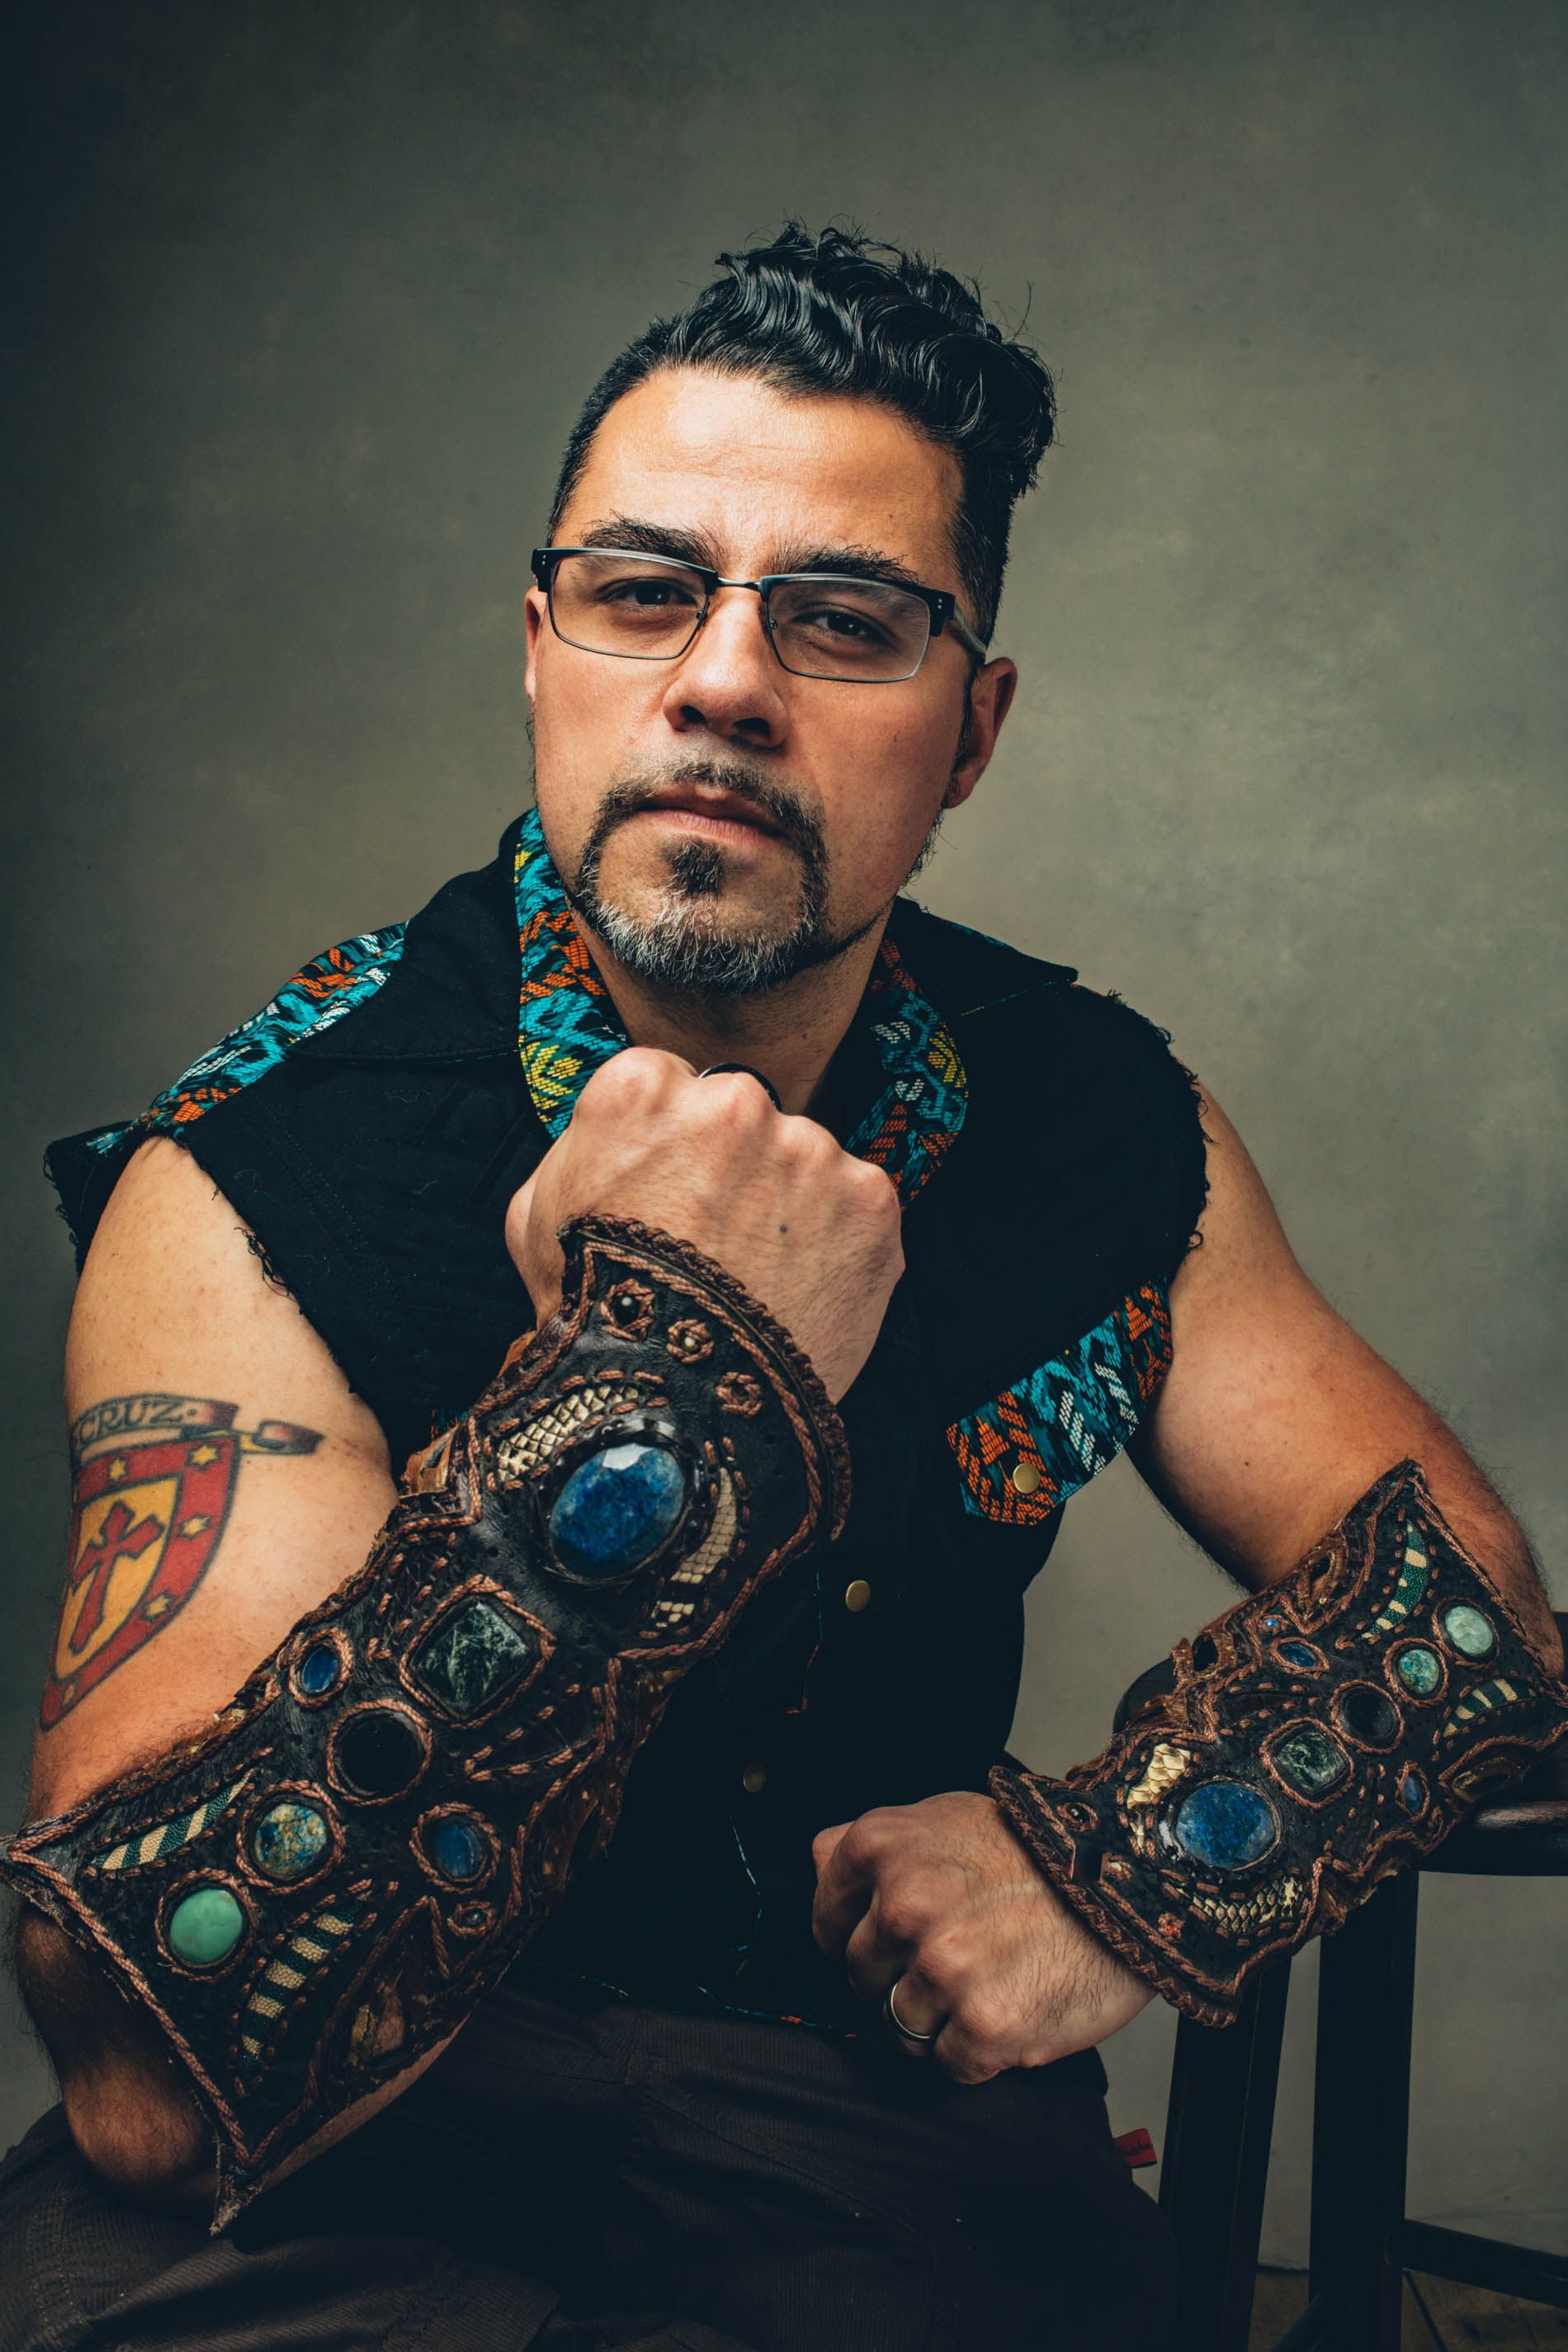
(167, 1838)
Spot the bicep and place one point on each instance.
(225, 1478)
(1276, 1416)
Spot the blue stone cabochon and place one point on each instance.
(618, 1507)
(319, 1669)
(458, 1848)
(288, 1838)
(1225, 1824)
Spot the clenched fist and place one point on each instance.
(810, 1231)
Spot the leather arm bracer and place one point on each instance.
(1322, 1733)
(314, 1893)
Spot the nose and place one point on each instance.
(728, 682)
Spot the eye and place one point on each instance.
(869, 623)
(838, 621)
(645, 593)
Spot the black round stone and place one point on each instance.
(379, 1753)
(1369, 1714)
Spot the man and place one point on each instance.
(740, 2088)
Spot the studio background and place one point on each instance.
(305, 299)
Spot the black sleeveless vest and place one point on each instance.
(373, 1161)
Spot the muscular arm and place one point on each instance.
(1274, 1421)
(176, 1330)
(1276, 1415)
(176, 1340)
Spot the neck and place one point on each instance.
(790, 1034)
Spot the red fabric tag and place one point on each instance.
(1136, 2148)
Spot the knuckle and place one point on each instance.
(798, 1142)
(635, 1075)
(982, 2019)
(876, 1187)
(863, 1839)
(734, 1100)
(900, 1916)
(943, 1968)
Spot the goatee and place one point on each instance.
(684, 942)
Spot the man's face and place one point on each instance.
(719, 821)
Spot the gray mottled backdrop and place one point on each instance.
(306, 298)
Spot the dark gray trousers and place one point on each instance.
(576, 2172)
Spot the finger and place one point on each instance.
(961, 2055)
(823, 1843)
(536, 1254)
(917, 2009)
(518, 1210)
(872, 1960)
(844, 1889)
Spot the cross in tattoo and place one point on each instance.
(116, 1539)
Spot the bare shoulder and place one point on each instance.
(224, 1477)
(174, 1279)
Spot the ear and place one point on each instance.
(535, 614)
(990, 700)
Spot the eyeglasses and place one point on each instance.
(607, 600)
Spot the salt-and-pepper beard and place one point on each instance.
(681, 945)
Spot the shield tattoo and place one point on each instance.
(146, 1522)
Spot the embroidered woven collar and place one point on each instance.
(567, 1026)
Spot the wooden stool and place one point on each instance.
(1215, 2166)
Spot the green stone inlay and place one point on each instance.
(1472, 1635)
(1421, 1671)
(472, 1658)
(1309, 1761)
(289, 1840)
(205, 1927)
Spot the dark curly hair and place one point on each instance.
(842, 312)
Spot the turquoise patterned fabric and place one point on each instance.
(1024, 1453)
(329, 987)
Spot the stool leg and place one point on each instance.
(1362, 2116)
(1215, 2164)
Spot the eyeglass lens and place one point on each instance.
(822, 626)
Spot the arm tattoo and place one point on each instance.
(153, 1477)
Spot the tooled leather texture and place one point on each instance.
(466, 1684)
(1326, 1732)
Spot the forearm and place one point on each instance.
(1329, 1730)
(127, 2112)
(1496, 1543)
(308, 1901)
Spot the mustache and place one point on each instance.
(784, 808)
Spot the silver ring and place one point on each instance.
(905, 2033)
(724, 1069)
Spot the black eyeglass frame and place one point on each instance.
(940, 602)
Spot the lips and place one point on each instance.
(723, 807)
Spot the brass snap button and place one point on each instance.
(1024, 1477)
(754, 1778)
(856, 1596)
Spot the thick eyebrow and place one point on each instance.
(694, 547)
(652, 538)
